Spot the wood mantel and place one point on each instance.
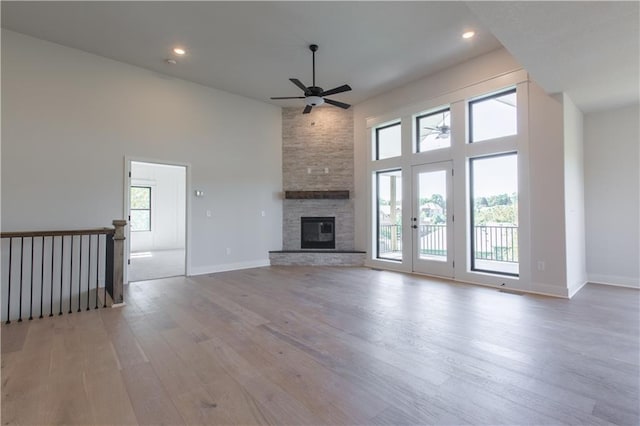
(316, 195)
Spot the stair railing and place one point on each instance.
(49, 272)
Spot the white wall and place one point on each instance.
(612, 191)
(546, 177)
(574, 195)
(167, 185)
(69, 118)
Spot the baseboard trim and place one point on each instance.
(535, 288)
(211, 269)
(576, 288)
(614, 280)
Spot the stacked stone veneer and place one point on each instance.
(314, 142)
(321, 139)
(342, 210)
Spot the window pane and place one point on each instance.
(140, 197)
(140, 220)
(434, 130)
(432, 225)
(493, 117)
(389, 215)
(388, 142)
(494, 219)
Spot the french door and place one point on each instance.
(432, 219)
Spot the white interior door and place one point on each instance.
(432, 219)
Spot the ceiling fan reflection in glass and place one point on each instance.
(433, 130)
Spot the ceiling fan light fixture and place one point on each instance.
(314, 101)
(315, 95)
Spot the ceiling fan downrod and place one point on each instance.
(313, 48)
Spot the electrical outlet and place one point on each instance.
(263, 213)
(541, 265)
(208, 213)
(228, 250)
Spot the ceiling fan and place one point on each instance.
(441, 131)
(314, 95)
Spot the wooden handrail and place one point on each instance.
(29, 234)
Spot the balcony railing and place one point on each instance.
(389, 239)
(497, 243)
(433, 240)
(492, 243)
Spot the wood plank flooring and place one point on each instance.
(323, 345)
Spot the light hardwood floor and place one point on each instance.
(152, 265)
(321, 345)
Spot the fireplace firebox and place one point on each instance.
(318, 232)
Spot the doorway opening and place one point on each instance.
(157, 221)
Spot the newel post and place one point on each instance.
(118, 263)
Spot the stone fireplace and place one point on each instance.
(318, 181)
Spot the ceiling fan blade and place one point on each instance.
(299, 84)
(307, 109)
(336, 103)
(343, 88)
(288, 97)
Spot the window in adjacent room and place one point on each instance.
(140, 208)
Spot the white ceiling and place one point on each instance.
(253, 48)
(588, 49)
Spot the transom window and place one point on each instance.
(388, 141)
(140, 208)
(433, 130)
(493, 116)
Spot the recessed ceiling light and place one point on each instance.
(171, 61)
(179, 51)
(468, 34)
